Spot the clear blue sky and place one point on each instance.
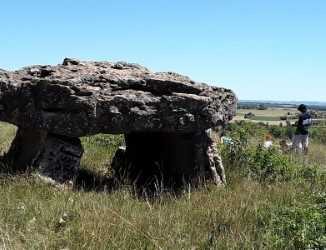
(273, 50)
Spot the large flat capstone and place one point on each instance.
(164, 117)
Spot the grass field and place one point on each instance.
(270, 116)
(247, 214)
(271, 112)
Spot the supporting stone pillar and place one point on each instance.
(53, 156)
(215, 163)
(60, 158)
(25, 148)
(168, 159)
(207, 159)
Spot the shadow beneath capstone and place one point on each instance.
(87, 180)
(91, 181)
(6, 168)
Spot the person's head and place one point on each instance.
(268, 137)
(302, 108)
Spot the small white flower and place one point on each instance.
(62, 221)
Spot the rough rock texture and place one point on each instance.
(57, 157)
(26, 148)
(83, 98)
(60, 158)
(161, 114)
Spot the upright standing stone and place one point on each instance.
(25, 148)
(60, 158)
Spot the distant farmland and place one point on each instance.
(270, 116)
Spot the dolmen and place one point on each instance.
(165, 119)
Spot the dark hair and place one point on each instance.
(302, 108)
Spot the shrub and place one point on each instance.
(276, 131)
(270, 165)
(282, 132)
(258, 163)
(235, 154)
(250, 129)
(300, 226)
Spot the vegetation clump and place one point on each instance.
(301, 225)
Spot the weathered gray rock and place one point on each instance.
(84, 98)
(60, 158)
(26, 148)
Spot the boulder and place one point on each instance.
(164, 117)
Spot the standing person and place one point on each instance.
(301, 137)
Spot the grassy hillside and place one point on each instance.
(272, 201)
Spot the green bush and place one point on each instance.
(300, 226)
(265, 165)
(279, 132)
(257, 130)
(235, 154)
(276, 131)
(256, 162)
(270, 165)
